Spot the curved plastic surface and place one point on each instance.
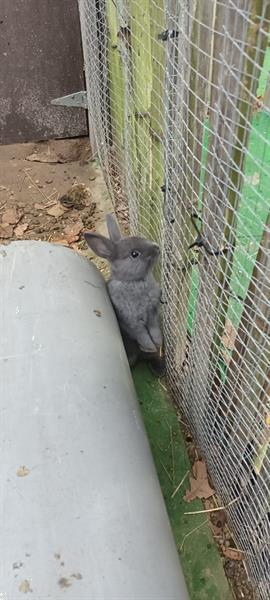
(82, 513)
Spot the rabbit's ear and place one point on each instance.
(100, 245)
(113, 229)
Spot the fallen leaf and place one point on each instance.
(25, 587)
(98, 313)
(10, 216)
(44, 157)
(77, 576)
(56, 211)
(3, 188)
(22, 471)
(229, 335)
(6, 231)
(72, 238)
(216, 530)
(73, 228)
(232, 553)
(39, 206)
(61, 241)
(20, 229)
(199, 486)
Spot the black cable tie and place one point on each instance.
(194, 216)
(168, 33)
(200, 243)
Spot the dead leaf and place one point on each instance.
(229, 335)
(10, 216)
(6, 231)
(73, 228)
(232, 553)
(20, 229)
(61, 241)
(77, 575)
(199, 486)
(72, 238)
(22, 471)
(98, 313)
(39, 206)
(218, 531)
(56, 211)
(25, 587)
(44, 157)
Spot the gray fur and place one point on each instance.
(132, 287)
(113, 229)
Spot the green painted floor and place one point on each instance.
(198, 553)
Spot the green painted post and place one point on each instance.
(141, 85)
(116, 84)
(157, 25)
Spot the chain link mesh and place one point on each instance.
(179, 101)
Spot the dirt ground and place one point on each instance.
(51, 191)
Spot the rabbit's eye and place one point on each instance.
(134, 253)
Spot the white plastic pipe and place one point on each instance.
(83, 517)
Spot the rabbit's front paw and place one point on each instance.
(156, 336)
(145, 342)
(150, 348)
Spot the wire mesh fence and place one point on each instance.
(179, 100)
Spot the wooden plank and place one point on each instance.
(157, 25)
(177, 232)
(116, 83)
(141, 104)
(41, 59)
(248, 371)
(199, 92)
(255, 47)
(225, 87)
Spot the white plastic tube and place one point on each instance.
(83, 517)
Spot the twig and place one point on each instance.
(179, 484)
(3, 205)
(209, 510)
(35, 185)
(23, 180)
(163, 386)
(192, 531)
(166, 471)
(173, 471)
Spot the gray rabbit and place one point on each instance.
(133, 291)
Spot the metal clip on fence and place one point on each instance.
(201, 242)
(168, 33)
